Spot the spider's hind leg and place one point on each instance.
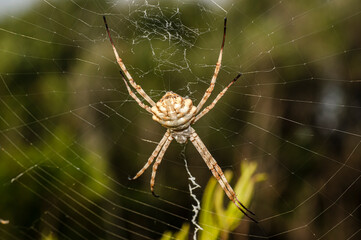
(218, 174)
(158, 161)
(151, 158)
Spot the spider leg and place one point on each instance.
(218, 174)
(154, 154)
(216, 71)
(219, 96)
(157, 162)
(124, 69)
(132, 94)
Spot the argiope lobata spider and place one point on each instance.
(177, 114)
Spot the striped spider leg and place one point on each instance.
(177, 114)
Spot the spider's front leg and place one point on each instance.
(138, 88)
(216, 71)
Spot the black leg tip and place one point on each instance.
(155, 195)
(121, 73)
(251, 212)
(105, 23)
(238, 76)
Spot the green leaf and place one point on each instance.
(215, 219)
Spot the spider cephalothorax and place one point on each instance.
(177, 114)
(173, 111)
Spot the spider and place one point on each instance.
(177, 114)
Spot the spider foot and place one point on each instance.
(244, 207)
(133, 178)
(238, 76)
(245, 213)
(155, 195)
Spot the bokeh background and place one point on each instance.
(70, 134)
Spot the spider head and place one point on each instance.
(173, 111)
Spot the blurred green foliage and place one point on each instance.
(216, 220)
(57, 67)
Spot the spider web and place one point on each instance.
(70, 134)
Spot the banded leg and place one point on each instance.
(132, 94)
(157, 162)
(124, 69)
(218, 174)
(154, 154)
(219, 96)
(216, 71)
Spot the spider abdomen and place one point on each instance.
(183, 135)
(173, 111)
